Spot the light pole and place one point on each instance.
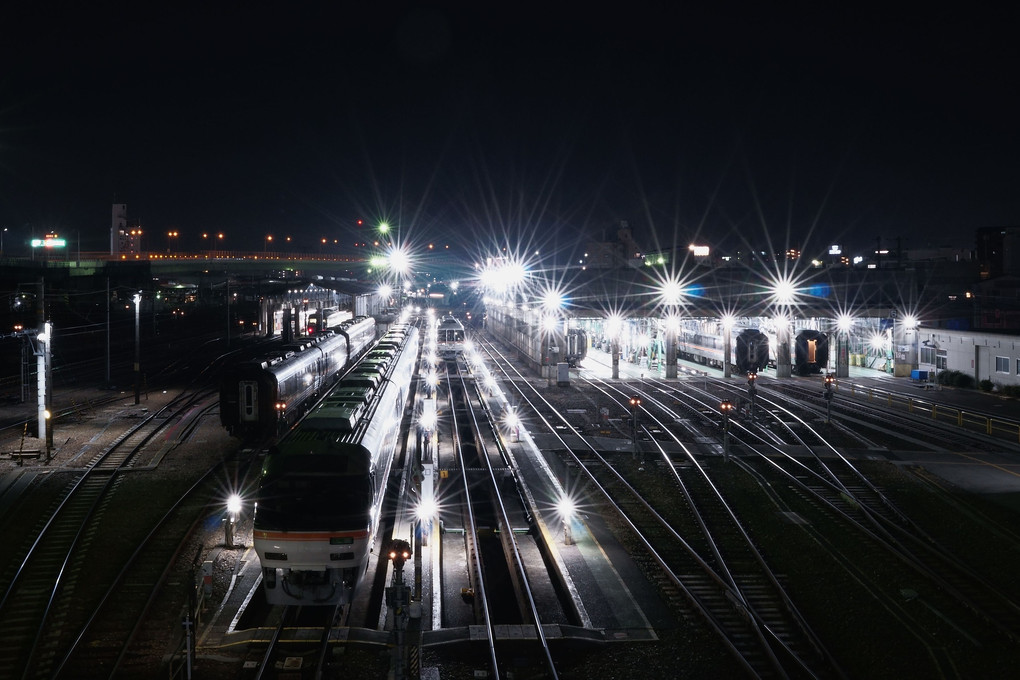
(727, 323)
(567, 509)
(265, 244)
(233, 509)
(935, 361)
(138, 348)
(2, 239)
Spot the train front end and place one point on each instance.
(313, 524)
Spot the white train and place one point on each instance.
(450, 337)
(322, 485)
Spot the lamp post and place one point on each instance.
(233, 509)
(266, 242)
(2, 239)
(566, 510)
(138, 347)
(844, 323)
(727, 323)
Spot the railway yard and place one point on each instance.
(650, 532)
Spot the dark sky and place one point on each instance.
(477, 123)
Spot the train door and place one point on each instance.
(248, 400)
(810, 353)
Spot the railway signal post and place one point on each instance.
(398, 598)
(635, 403)
(829, 381)
(726, 406)
(752, 390)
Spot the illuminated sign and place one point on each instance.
(48, 243)
(835, 250)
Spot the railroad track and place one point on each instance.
(834, 486)
(50, 595)
(706, 585)
(502, 588)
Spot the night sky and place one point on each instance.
(483, 124)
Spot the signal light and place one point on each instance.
(400, 552)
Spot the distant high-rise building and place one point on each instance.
(125, 239)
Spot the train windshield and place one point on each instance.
(315, 502)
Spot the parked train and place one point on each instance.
(269, 394)
(324, 319)
(322, 485)
(810, 352)
(750, 350)
(450, 337)
(577, 347)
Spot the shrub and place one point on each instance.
(986, 385)
(956, 379)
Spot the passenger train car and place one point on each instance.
(750, 349)
(577, 347)
(325, 319)
(450, 337)
(322, 485)
(267, 395)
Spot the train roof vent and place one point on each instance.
(334, 415)
(362, 393)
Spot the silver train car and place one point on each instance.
(450, 337)
(269, 394)
(749, 350)
(322, 485)
(324, 319)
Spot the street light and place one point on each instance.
(567, 509)
(2, 239)
(233, 509)
(138, 345)
(266, 242)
